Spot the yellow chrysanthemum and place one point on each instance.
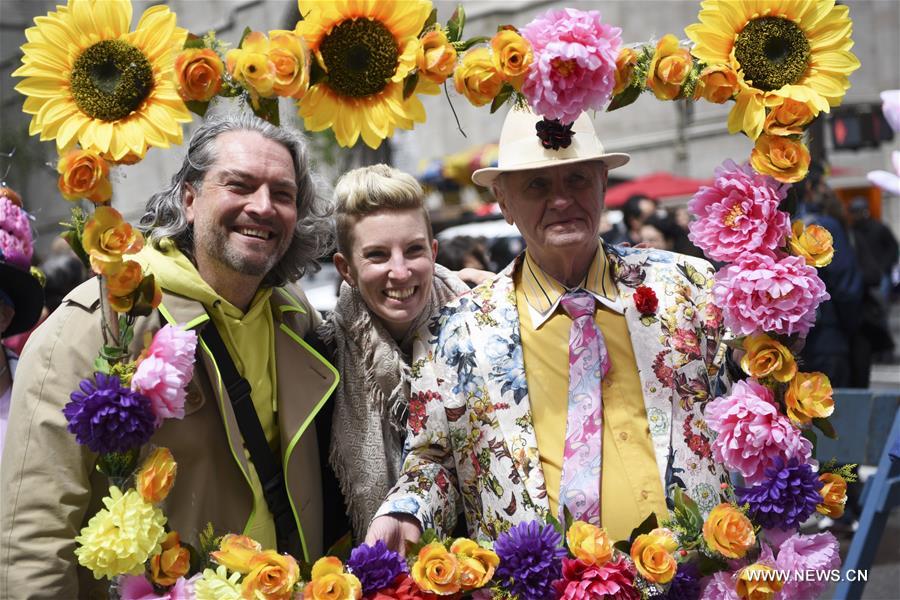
(218, 585)
(91, 81)
(366, 49)
(779, 49)
(120, 538)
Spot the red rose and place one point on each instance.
(645, 300)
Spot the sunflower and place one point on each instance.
(779, 49)
(366, 49)
(91, 81)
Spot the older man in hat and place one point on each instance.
(574, 379)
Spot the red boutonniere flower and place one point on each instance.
(645, 300)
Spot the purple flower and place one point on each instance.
(785, 498)
(530, 560)
(686, 585)
(107, 417)
(375, 566)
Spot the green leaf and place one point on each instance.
(567, 515)
(197, 107)
(410, 83)
(247, 31)
(143, 301)
(118, 465)
(646, 526)
(557, 526)
(102, 365)
(623, 546)
(456, 24)
(431, 20)
(501, 98)
(268, 110)
(686, 504)
(625, 97)
(825, 427)
(341, 548)
(317, 73)
(463, 46)
(811, 436)
(194, 41)
(709, 565)
(126, 331)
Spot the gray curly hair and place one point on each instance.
(164, 216)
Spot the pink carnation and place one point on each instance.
(574, 64)
(15, 234)
(764, 293)
(165, 371)
(721, 586)
(581, 581)
(739, 214)
(818, 552)
(751, 433)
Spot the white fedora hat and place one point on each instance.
(521, 148)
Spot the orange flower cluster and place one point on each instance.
(266, 573)
(84, 174)
(199, 74)
(466, 566)
(653, 555)
(277, 65)
(482, 72)
(728, 531)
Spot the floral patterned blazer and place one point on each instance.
(471, 443)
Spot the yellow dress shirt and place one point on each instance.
(630, 487)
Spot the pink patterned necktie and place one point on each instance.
(579, 488)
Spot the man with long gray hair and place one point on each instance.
(240, 221)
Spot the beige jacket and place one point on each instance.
(50, 487)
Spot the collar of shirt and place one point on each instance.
(543, 292)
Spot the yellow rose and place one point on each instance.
(669, 68)
(717, 84)
(758, 582)
(476, 78)
(272, 576)
(291, 62)
(107, 237)
(157, 474)
(172, 562)
(476, 564)
(728, 531)
(199, 74)
(84, 174)
(766, 357)
(436, 570)
(512, 56)
(329, 582)
(814, 243)
(789, 117)
(589, 543)
(251, 67)
(808, 397)
(236, 552)
(834, 494)
(625, 64)
(652, 555)
(785, 159)
(122, 279)
(436, 57)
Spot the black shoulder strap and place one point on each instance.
(268, 467)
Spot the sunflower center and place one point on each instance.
(772, 52)
(360, 57)
(110, 79)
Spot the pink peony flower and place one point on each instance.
(581, 581)
(818, 552)
(739, 214)
(136, 587)
(574, 66)
(720, 586)
(165, 371)
(751, 433)
(764, 293)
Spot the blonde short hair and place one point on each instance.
(368, 190)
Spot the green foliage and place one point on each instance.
(73, 232)
(456, 24)
(410, 83)
(500, 99)
(118, 466)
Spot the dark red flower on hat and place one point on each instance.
(554, 135)
(645, 300)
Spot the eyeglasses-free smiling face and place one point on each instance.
(391, 263)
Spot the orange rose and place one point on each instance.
(84, 174)
(476, 564)
(758, 582)
(717, 84)
(653, 557)
(625, 64)
(476, 78)
(251, 67)
(728, 531)
(121, 282)
(766, 357)
(272, 576)
(834, 494)
(157, 474)
(512, 56)
(236, 552)
(808, 397)
(172, 562)
(669, 68)
(785, 159)
(814, 244)
(329, 582)
(589, 543)
(436, 57)
(107, 237)
(291, 62)
(199, 74)
(436, 570)
(790, 117)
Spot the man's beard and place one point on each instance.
(216, 246)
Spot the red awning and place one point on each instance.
(655, 185)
